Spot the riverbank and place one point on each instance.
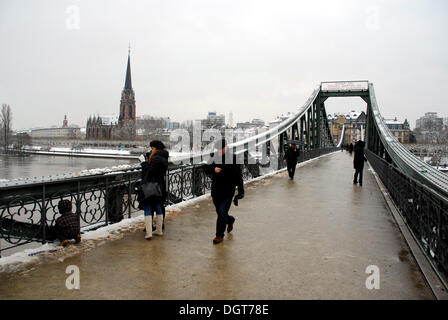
(85, 152)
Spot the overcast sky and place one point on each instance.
(257, 59)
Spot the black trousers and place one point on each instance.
(222, 209)
(355, 178)
(291, 169)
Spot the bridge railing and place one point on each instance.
(424, 210)
(401, 156)
(28, 212)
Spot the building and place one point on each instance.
(255, 123)
(148, 125)
(101, 127)
(400, 129)
(56, 133)
(121, 127)
(353, 122)
(65, 122)
(214, 120)
(431, 129)
(64, 132)
(429, 122)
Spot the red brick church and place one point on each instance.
(123, 128)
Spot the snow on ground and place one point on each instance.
(90, 150)
(108, 170)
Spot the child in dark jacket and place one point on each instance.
(67, 225)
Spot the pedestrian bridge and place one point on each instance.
(308, 238)
(317, 237)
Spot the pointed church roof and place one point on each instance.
(128, 82)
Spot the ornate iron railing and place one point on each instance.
(28, 212)
(424, 210)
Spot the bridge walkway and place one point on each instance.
(310, 238)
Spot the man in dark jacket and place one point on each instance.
(225, 178)
(290, 158)
(358, 161)
(154, 169)
(67, 225)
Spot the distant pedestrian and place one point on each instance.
(350, 148)
(67, 225)
(290, 158)
(358, 161)
(154, 167)
(225, 178)
(342, 147)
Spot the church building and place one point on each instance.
(123, 128)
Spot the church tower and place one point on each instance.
(126, 119)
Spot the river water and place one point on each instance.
(13, 167)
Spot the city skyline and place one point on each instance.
(255, 59)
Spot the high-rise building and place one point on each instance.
(65, 122)
(214, 120)
(231, 119)
(429, 122)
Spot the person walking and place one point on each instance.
(225, 178)
(67, 225)
(290, 158)
(358, 161)
(350, 148)
(154, 167)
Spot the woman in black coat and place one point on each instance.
(154, 170)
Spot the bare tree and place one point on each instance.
(6, 121)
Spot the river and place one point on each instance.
(14, 167)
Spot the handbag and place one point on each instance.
(151, 189)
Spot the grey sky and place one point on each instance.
(254, 58)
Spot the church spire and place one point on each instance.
(128, 82)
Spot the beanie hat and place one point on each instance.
(65, 206)
(157, 144)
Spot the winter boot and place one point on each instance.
(159, 223)
(148, 225)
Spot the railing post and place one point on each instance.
(167, 186)
(78, 203)
(106, 201)
(43, 216)
(193, 183)
(129, 195)
(182, 183)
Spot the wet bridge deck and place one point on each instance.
(311, 238)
